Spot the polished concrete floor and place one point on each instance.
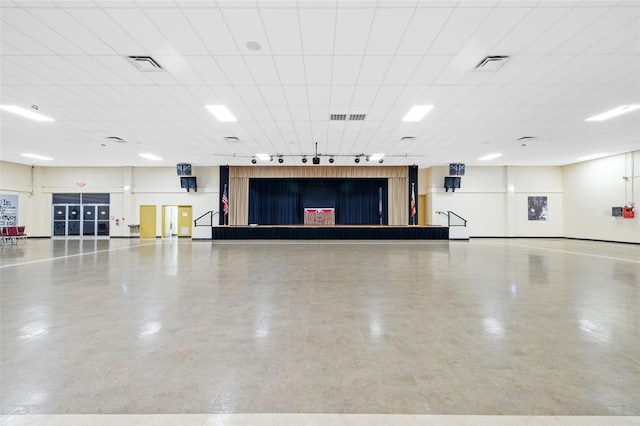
(430, 330)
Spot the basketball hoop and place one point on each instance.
(80, 184)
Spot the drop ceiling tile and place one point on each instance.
(422, 30)
(364, 95)
(528, 29)
(36, 29)
(495, 27)
(64, 24)
(346, 70)
(352, 31)
(124, 69)
(209, 72)
(460, 26)
(296, 95)
(318, 69)
(263, 70)
(341, 97)
(412, 95)
(246, 25)
(290, 69)
(388, 27)
(280, 113)
(212, 28)
(273, 95)
(317, 27)
(250, 95)
(283, 30)
(300, 114)
(457, 69)
(401, 70)
(373, 70)
(429, 69)
(565, 28)
(627, 35)
(177, 30)
(228, 96)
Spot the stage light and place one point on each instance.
(357, 160)
(367, 158)
(381, 160)
(331, 160)
(253, 160)
(280, 160)
(304, 159)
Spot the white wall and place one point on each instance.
(592, 188)
(494, 200)
(146, 185)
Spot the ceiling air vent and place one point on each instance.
(491, 63)
(407, 138)
(145, 63)
(116, 139)
(357, 117)
(526, 138)
(231, 139)
(338, 117)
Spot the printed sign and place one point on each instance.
(8, 210)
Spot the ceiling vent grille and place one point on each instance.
(357, 117)
(491, 63)
(526, 138)
(116, 139)
(231, 139)
(407, 138)
(145, 63)
(338, 117)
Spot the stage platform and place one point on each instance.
(337, 232)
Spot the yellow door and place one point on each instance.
(147, 221)
(422, 210)
(184, 221)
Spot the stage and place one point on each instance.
(337, 232)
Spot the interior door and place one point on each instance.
(147, 221)
(185, 220)
(422, 210)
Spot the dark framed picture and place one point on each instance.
(538, 208)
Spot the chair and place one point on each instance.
(4, 235)
(12, 234)
(21, 235)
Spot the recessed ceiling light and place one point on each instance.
(613, 113)
(263, 157)
(490, 157)
(221, 112)
(37, 157)
(417, 113)
(25, 113)
(376, 157)
(150, 157)
(592, 157)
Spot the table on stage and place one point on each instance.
(319, 216)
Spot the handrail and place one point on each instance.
(210, 213)
(448, 214)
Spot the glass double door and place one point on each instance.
(86, 220)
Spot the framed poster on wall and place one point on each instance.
(538, 208)
(8, 210)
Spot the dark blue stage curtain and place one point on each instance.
(358, 202)
(274, 202)
(281, 201)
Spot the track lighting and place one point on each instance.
(367, 158)
(331, 160)
(357, 160)
(253, 160)
(381, 161)
(280, 160)
(304, 159)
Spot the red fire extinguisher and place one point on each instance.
(628, 211)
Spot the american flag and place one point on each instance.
(225, 201)
(413, 201)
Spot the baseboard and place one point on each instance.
(117, 236)
(38, 238)
(554, 238)
(602, 241)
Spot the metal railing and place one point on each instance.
(453, 219)
(208, 215)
